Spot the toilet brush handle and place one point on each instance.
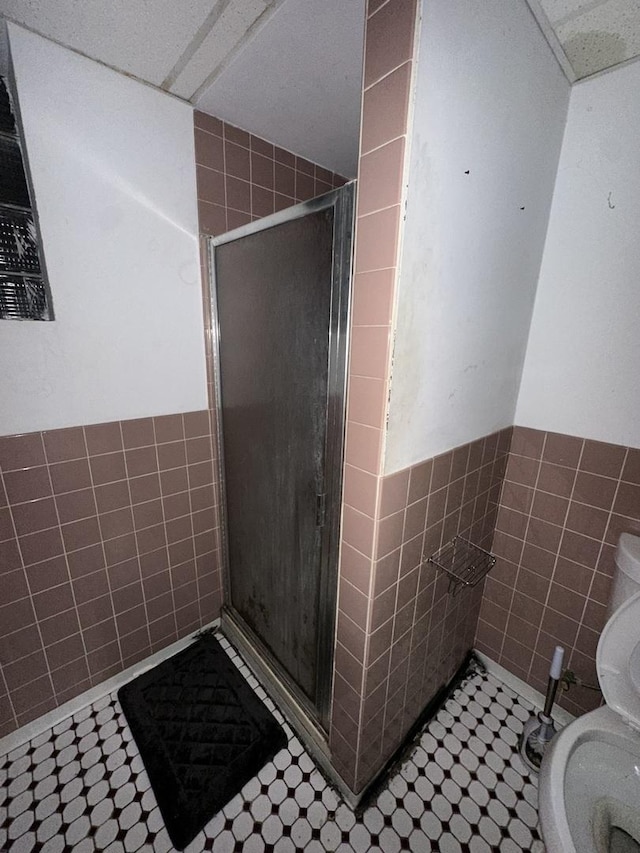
(555, 670)
(555, 673)
(550, 698)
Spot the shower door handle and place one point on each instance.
(321, 510)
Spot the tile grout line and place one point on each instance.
(557, 553)
(22, 566)
(529, 516)
(104, 555)
(69, 576)
(595, 570)
(164, 521)
(137, 558)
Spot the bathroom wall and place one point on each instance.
(113, 166)
(418, 632)
(583, 357)
(108, 552)
(573, 478)
(491, 101)
(241, 177)
(564, 504)
(388, 69)
(109, 531)
(490, 110)
(108, 546)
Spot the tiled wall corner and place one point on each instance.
(388, 61)
(418, 632)
(241, 177)
(108, 552)
(564, 503)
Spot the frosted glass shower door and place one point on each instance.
(281, 307)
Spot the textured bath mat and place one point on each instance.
(202, 734)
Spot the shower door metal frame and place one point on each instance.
(342, 202)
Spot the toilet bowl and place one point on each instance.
(589, 793)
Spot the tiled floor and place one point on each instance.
(82, 787)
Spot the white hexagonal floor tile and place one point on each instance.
(83, 787)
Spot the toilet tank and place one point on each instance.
(626, 580)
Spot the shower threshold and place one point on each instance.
(292, 705)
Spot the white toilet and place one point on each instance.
(589, 794)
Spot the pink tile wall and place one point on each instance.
(393, 614)
(108, 533)
(564, 503)
(241, 177)
(388, 62)
(108, 552)
(401, 635)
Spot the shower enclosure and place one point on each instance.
(280, 306)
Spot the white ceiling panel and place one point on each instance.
(221, 41)
(287, 70)
(144, 38)
(557, 10)
(298, 82)
(602, 37)
(593, 35)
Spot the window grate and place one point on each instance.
(7, 122)
(13, 182)
(18, 241)
(24, 294)
(23, 297)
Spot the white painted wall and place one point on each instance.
(582, 370)
(113, 167)
(490, 100)
(298, 83)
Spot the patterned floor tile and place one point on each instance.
(82, 787)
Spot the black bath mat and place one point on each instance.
(202, 734)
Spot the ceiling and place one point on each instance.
(287, 70)
(590, 35)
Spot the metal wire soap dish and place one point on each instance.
(465, 563)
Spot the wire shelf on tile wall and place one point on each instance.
(465, 563)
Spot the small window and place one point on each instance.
(24, 294)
